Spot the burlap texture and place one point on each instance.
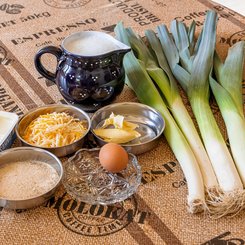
(157, 214)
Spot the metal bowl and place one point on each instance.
(24, 154)
(33, 114)
(151, 124)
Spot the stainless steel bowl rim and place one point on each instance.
(131, 103)
(50, 106)
(42, 151)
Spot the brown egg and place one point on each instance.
(113, 157)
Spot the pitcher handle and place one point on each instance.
(57, 52)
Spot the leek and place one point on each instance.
(192, 66)
(228, 94)
(148, 94)
(166, 83)
(179, 111)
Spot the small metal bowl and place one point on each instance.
(24, 154)
(33, 114)
(151, 124)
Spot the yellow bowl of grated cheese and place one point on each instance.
(58, 128)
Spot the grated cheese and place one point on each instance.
(54, 130)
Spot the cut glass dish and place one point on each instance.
(87, 181)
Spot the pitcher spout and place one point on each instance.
(122, 48)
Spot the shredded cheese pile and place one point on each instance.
(54, 130)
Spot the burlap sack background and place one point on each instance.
(157, 214)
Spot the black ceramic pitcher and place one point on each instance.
(89, 72)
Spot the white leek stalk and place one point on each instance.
(147, 93)
(179, 111)
(228, 94)
(165, 81)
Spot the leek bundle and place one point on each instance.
(142, 84)
(192, 63)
